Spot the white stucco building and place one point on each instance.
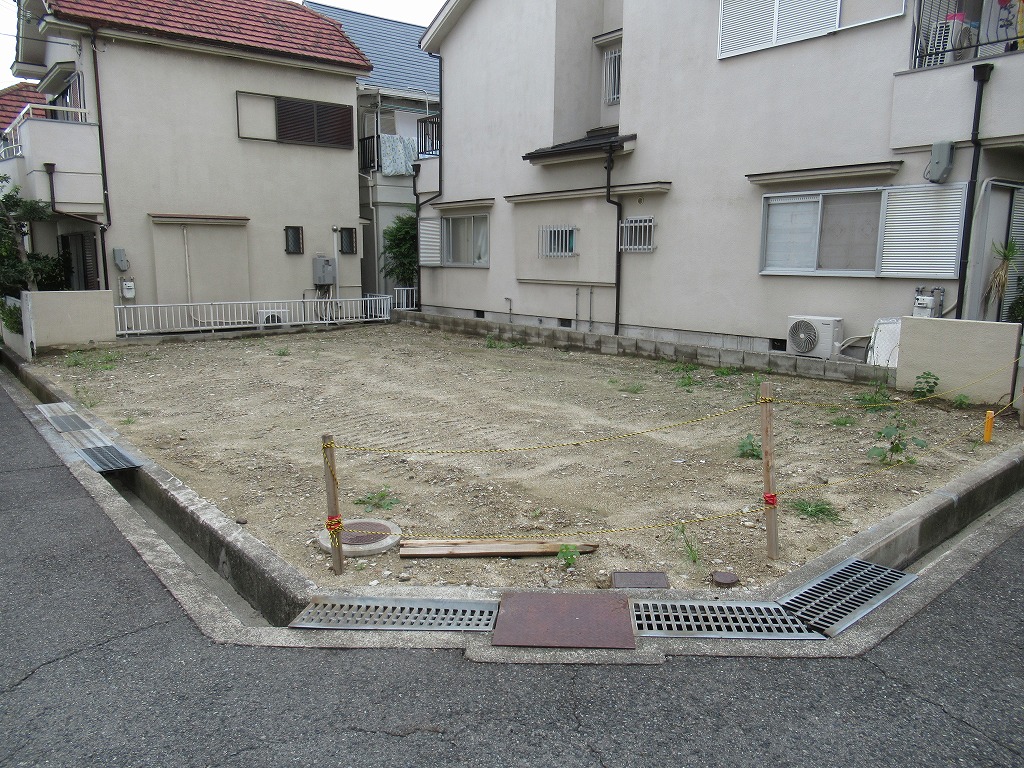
(194, 152)
(702, 172)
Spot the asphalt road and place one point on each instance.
(100, 666)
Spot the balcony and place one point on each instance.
(428, 133)
(59, 135)
(946, 34)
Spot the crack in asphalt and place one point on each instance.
(912, 691)
(71, 654)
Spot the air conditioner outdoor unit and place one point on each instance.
(950, 41)
(272, 317)
(814, 336)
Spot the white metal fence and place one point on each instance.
(133, 320)
(406, 298)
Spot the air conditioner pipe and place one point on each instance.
(609, 163)
(982, 73)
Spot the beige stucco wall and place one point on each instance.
(68, 317)
(972, 358)
(703, 125)
(170, 124)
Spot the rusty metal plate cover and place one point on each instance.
(539, 620)
(362, 537)
(639, 580)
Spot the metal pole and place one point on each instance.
(768, 470)
(334, 521)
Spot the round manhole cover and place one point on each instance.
(360, 535)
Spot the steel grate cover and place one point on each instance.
(63, 417)
(839, 597)
(406, 614)
(724, 619)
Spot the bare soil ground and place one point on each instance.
(240, 422)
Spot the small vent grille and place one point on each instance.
(717, 619)
(836, 599)
(412, 614)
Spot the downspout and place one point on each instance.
(50, 169)
(440, 173)
(609, 163)
(982, 73)
(103, 159)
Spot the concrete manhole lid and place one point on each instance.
(363, 537)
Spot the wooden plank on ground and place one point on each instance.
(485, 548)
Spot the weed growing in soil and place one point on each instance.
(493, 343)
(567, 554)
(844, 421)
(925, 385)
(749, 448)
(818, 510)
(686, 381)
(877, 400)
(895, 432)
(726, 370)
(282, 352)
(381, 499)
(961, 402)
(86, 397)
(685, 368)
(634, 389)
(104, 361)
(689, 545)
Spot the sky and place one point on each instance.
(420, 12)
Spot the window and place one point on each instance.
(612, 74)
(750, 25)
(557, 242)
(878, 232)
(347, 238)
(293, 240)
(311, 122)
(464, 241)
(636, 234)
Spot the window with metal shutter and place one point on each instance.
(921, 235)
(751, 25)
(296, 121)
(334, 125)
(1015, 232)
(429, 242)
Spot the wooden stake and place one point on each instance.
(768, 470)
(337, 561)
(990, 418)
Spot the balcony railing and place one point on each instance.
(946, 35)
(428, 136)
(369, 154)
(220, 316)
(12, 136)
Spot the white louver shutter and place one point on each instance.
(746, 25)
(799, 19)
(429, 242)
(921, 234)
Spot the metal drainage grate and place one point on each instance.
(717, 619)
(101, 454)
(839, 597)
(410, 614)
(63, 417)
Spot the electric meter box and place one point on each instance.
(325, 271)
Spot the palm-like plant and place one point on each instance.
(1006, 254)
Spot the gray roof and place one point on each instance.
(393, 48)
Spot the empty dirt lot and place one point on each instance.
(240, 422)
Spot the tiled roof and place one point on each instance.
(267, 26)
(393, 48)
(14, 98)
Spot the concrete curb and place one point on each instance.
(280, 591)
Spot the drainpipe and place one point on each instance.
(50, 169)
(440, 173)
(609, 163)
(982, 73)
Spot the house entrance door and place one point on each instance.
(81, 269)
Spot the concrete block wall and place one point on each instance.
(712, 357)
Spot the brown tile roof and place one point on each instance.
(14, 98)
(267, 26)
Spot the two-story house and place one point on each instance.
(194, 152)
(402, 89)
(710, 173)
